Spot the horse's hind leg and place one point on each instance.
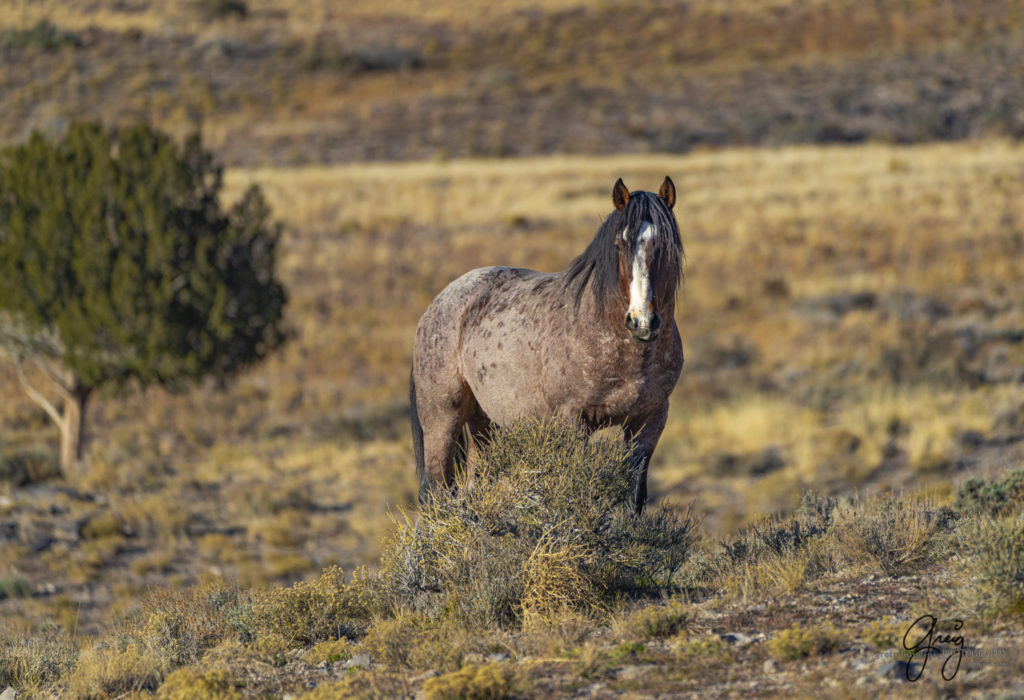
(442, 410)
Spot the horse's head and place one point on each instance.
(649, 253)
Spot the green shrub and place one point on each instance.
(772, 556)
(42, 35)
(993, 497)
(544, 526)
(220, 9)
(14, 587)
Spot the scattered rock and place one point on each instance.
(358, 661)
(899, 670)
(423, 676)
(498, 658)
(628, 673)
(770, 666)
(835, 305)
(736, 638)
(9, 694)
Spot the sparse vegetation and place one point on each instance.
(490, 682)
(220, 9)
(799, 641)
(994, 568)
(42, 35)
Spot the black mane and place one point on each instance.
(598, 265)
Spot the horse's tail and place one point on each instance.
(417, 437)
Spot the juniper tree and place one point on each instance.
(118, 264)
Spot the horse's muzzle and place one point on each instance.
(643, 330)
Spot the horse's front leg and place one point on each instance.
(645, 435)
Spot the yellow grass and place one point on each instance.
(302, 458)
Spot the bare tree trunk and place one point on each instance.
(72, 428)
(70, 420)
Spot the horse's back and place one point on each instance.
(483, 327)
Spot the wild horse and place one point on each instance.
(596, 343)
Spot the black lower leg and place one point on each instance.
(640, 486)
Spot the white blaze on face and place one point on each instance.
(640, 305)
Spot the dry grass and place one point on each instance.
(818, 225)
(848, 317)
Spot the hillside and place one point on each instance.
(299, 83)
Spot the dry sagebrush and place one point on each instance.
(543, 526)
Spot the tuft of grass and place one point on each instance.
(543, 526)
(559, 633)
(656, 621)
(776, 555)
(101, 525)
(797, 641)
(995, 565)
(883, 634)
(488, 682)
(179, 626)
(105, 671)
(555, 581)
(187, 683)
(393, 641)
(33, 662)
(330, 651)
(315, 611)
(706, 647)
(896, 536)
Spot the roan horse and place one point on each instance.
(596, 343)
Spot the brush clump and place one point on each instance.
(542, 526)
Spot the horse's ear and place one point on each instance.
(668, 192)
(620, 195)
